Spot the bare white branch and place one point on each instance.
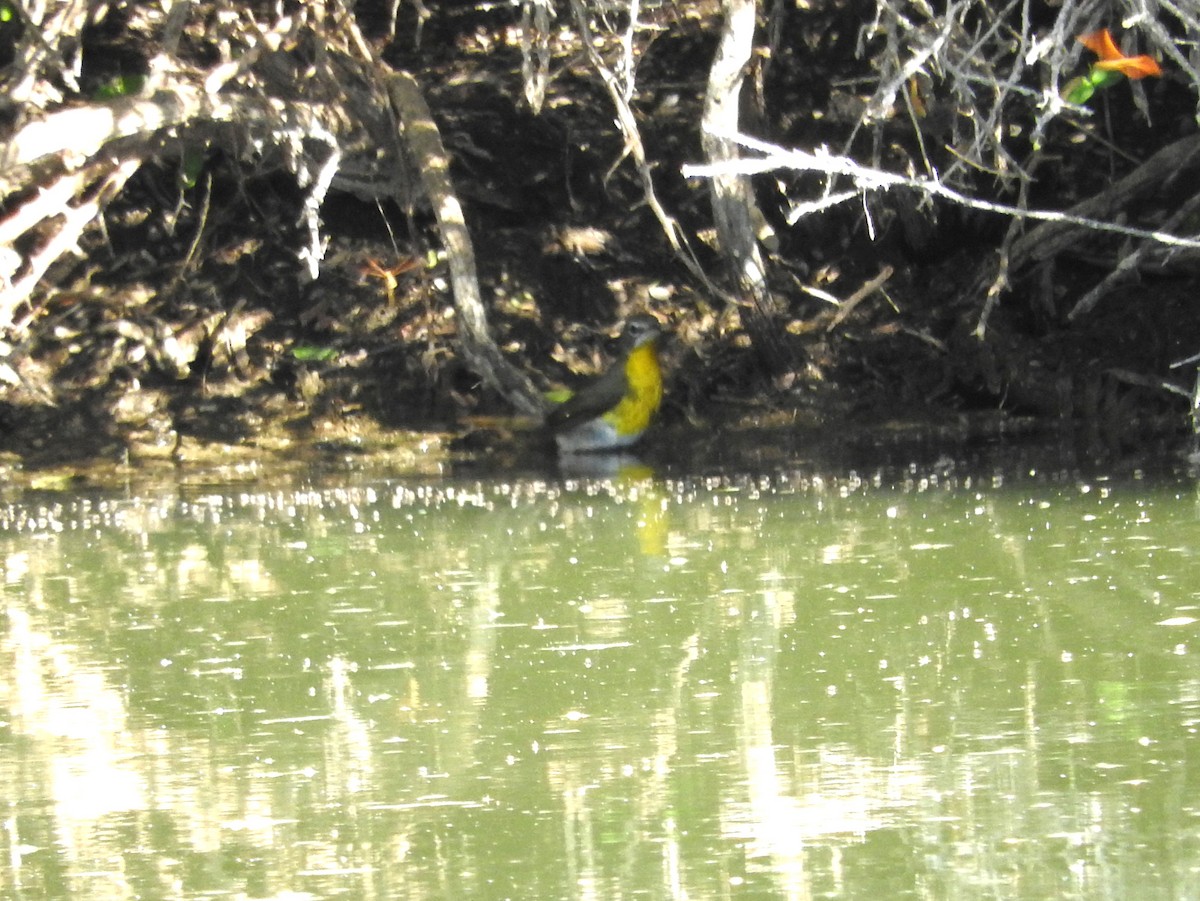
(868, 179)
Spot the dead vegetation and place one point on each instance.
(215, 221)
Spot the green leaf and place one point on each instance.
(121, 86)
(1102, 78)
(308, 353)
(191, 166)
(1078, 91)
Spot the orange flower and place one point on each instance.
(1111, 59)
(372, 268)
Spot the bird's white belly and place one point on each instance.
(596, 435)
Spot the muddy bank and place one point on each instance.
(189, 333)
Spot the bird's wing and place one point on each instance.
(591, 400)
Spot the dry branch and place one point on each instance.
(621, 92)
(302, 91)
(425, 144)
(1053, 237)
(735, 210)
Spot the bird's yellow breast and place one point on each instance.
(643, 392)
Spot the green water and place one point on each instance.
(906, 685)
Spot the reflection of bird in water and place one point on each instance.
(633, 482)
(612, 412)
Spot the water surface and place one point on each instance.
(899, 684)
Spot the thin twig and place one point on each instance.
(868, 288)
(627, 122)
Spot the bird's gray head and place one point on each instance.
(640, 329)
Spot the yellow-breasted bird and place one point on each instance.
(612, 412)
